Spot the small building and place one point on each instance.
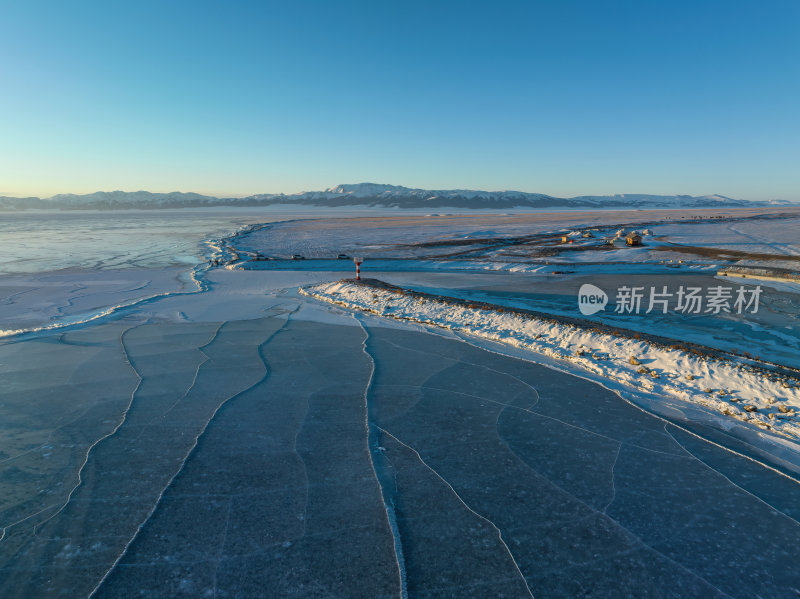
(564, 238)
(633, 239)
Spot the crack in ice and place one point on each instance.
(593, 509)
(391, 518)
(194, 379)
(630, 533)
(49, 439)
(505, 405)
(613, 486)
(307, 486)
(714, 470)
(464, 503)
(186, 458)
(91, 447)
(462, 361)
(28, 517)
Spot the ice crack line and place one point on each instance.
(186, 458)
(580, 501)
(457, 496)
(300, 427)
(89, 450)
(49, 439)
(616, 441)
(655, 415)
(391, 517)
(28, 517)
(194, 379)
(513, 407)
(10, 299)
(483, 366)
(613, 486)
(631, 534)
(753, 495)
(508, 446)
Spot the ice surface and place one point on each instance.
(42, 241)
(35, 301)
(283, 481)
(183, 375)
(281, 453)
(248, 440)
(64, 268)
(590, 495)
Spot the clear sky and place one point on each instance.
(554, 96)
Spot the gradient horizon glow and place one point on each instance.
(558, 97)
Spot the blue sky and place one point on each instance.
(559, 97)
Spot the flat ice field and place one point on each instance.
(262, 430)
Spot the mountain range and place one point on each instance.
(374, 195)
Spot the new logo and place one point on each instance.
(591, 299)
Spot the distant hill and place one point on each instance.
(377, 195)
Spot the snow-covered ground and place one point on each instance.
(526, 241)
(768, 235)
(721, 386)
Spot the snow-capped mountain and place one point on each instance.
(376, 195)
(375, 190)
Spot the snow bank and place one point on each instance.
(725, 387)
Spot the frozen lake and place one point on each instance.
(249, 441)
(69, 266)
(35, 242)
(292, 449)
